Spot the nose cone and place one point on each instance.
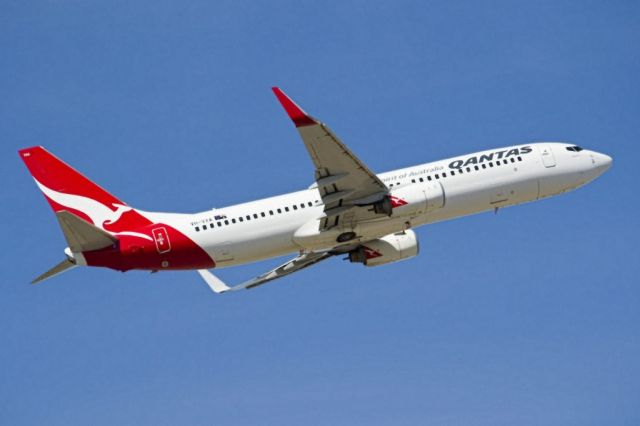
(602, 161)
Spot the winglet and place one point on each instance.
(213, 282)
(296, 114)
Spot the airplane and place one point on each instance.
(348, 211)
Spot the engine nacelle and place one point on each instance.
(390, 248)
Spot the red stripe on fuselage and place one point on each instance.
(135, 252)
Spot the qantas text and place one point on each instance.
(490, 157)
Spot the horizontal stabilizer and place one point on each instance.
(58, 269)
(81, 235)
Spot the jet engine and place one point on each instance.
(390, 248)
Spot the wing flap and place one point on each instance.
(302, 261)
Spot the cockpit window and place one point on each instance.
(574, 148)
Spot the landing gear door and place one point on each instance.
(547, 156)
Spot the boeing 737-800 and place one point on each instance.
(349, 210)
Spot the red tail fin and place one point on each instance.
(68, 190)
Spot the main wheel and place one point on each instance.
(346, 236)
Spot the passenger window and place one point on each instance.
(490, 164)
(286, 209)
(310, 204)
(421, 180)
(262, 214)
(219, 224)
(468, 169)
(429, 178)
(519, 158)
(302, 205)
(279, 210)
(484, 166)
(271, 212)
(437, 176)
(476, 167)
(295, 207)
(226, 222)
(204, 227)
(513, 160)
(197, 229)
(255, 215)
(248, 217)
(240, 219)
(233, 221)
(453, 173)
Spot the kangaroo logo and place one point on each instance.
(397, 202)
(99, 214)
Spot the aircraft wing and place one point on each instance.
(343, 180)
(297, 263)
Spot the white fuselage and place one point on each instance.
(464, 185)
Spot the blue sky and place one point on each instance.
(527, 317)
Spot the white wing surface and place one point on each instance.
(344, 181)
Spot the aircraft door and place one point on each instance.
(434, 193)
(161, 238)
(547, 156)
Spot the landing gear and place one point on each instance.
(346, 236)
(358, 256)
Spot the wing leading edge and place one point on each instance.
(343, 180)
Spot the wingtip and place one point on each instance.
(295, 113)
